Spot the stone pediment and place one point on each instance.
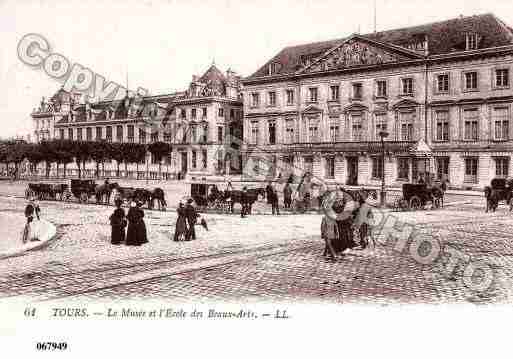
(355, 107)
(405, 103)
(312, 109)
(358, 51)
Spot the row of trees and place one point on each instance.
(63, 152)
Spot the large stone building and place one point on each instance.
(442, 91)
(199, 123)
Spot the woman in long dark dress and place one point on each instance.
(118, 224)
(133, 221)
(181, 229)
(142, 237)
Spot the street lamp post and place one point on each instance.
(383, 135)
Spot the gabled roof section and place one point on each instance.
(442, 38)
(213, 74)
(357, 51)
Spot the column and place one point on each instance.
(340, 168)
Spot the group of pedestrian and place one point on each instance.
(133, 222)
(185, 222)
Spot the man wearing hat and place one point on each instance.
(191, 215)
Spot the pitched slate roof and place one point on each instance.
(443, 37)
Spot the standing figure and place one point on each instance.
(142, 236)
(268, 192)
(118, 223)
(31, 209)
(274, 201)
(181, 229)
(287, 195)
(244, 200)
(191, 215)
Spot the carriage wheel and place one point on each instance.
(415, 203)
(84, 197)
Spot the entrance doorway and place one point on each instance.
(352, 171)
(420, 169)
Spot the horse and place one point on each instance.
(125, 193)
(143, 195)
(237, 196)
(104, 191)
(492, 199)
(158, 194)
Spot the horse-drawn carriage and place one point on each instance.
(83, 190)
(417, 195)
(48, 191)
(500, 189)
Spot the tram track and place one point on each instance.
(197, 264)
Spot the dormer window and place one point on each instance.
(472, 41)
(273, 68)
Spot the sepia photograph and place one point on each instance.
(324, 170)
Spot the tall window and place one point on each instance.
(502, 78)
(334, 91)
(313, 94)
(142, 136)
(313, 130)
(154, 137)
(356, 126)
(502, 167)
(471, 124)
(357, 90)
(89, 134)
(219, 134)
(130, 134)
(381, 124)
(290, 97)
(442, 83)
(70, 133)
(194, 130)
(501, 123)
(108, 133)
(98, 133)
(407, 86)
(471, 41)
(232, 113)
(407, 120)
(204, 158)
(205, 133)
(167, 137)
(442, 125)
(403, 168)
(442, 168)
(272, 132)
(193, 113)
(308, 164)
(61, 133)
(471, 170)
(330, 167)
(289, 131)
(204, 112)
(377, 167)
(221, 112)
(471, 80)
(119, 133)
(334, 132)
(183, 113)
(255, 99)
(272, 98)
(254, 132)
(381, 88)
(194, 159)
(79, 134)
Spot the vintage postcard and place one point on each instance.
(242, 178)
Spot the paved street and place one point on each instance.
(262, 257)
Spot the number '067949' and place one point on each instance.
(50, 346)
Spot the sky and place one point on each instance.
(159, 44)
